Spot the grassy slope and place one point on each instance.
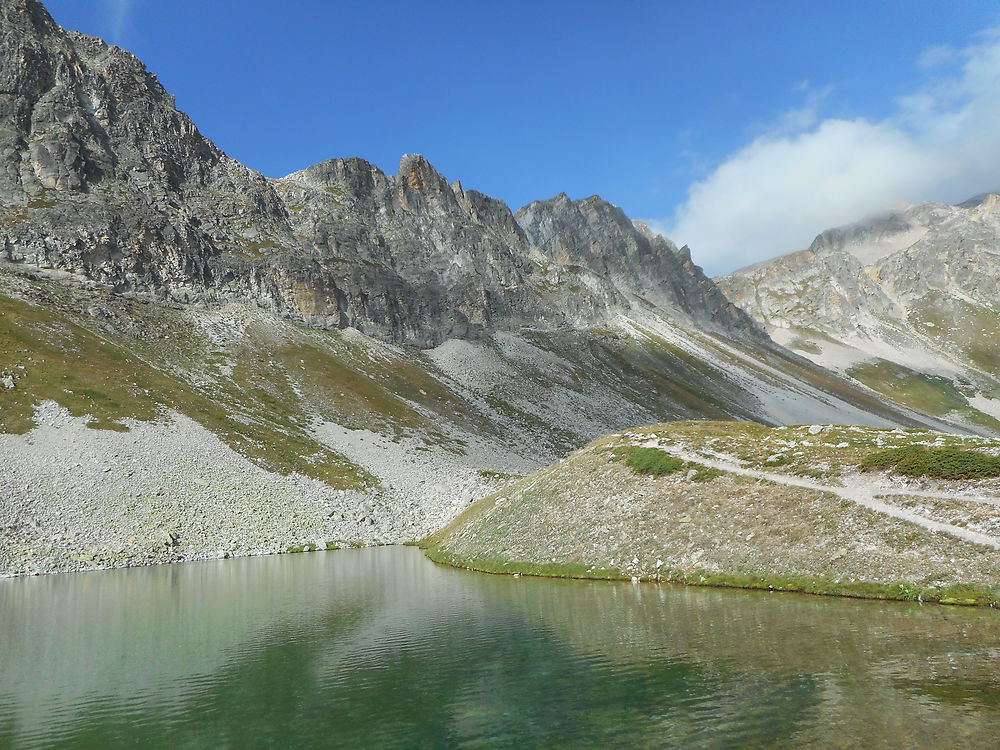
(935, 395)
(593, 516)
(137, 361)
(258, 383)
(116, 358)
(966, 333)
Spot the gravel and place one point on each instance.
(74, 498)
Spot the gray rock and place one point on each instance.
(915, 287)
(102, 177)
(594, 235)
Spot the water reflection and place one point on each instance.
(379, 648)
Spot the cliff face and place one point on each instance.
(906, 302)
(598, 236)
(102, 177)
(413, 258)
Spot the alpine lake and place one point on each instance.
(380, 648)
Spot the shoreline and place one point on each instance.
(746, 506)
(969, 595)
(297, 549)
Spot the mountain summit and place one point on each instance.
(102, 177)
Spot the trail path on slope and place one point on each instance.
(856, 489)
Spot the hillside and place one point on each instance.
(140, 431)
(199, 361)
(905, 303)
(825, 509)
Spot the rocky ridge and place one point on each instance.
(591, 234)
(102, 177)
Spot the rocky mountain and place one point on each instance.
(197, 360)
(906, 303)
(105, 179)
(592, 235)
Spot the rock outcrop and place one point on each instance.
(593, 234)
(102, 177)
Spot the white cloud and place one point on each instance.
(806, 174)
(939, 54)
(804, 117)
(118, 12)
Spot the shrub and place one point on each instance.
(937, 463)
(653, 461)
(656, 463)
(704, 473)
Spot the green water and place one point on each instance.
(380, 648)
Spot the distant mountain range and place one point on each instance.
(906, 303)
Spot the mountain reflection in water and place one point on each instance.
(380, 648)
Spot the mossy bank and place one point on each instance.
(653, 504)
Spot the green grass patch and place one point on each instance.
(930, 394)
(958, 594)
(112, 378)
(703, 473)
(804, 345)
(356, 383)
(57, 360)
(936, 463)
(308, 547)
(653, 461)
(656, 463)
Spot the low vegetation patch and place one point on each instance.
(159, 364)
(657, 463)
(653, 461)
(307, 547)
(931, 394)
(497, 476)
(631, 506)
(936, 463)
(969, 595)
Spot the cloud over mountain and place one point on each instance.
(774, 194)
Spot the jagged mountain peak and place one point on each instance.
(417, 173)
(135, 197)
(596, 234)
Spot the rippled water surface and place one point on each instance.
(380, 648)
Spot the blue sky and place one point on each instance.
(740, 128)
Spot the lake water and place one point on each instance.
(380, 648)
